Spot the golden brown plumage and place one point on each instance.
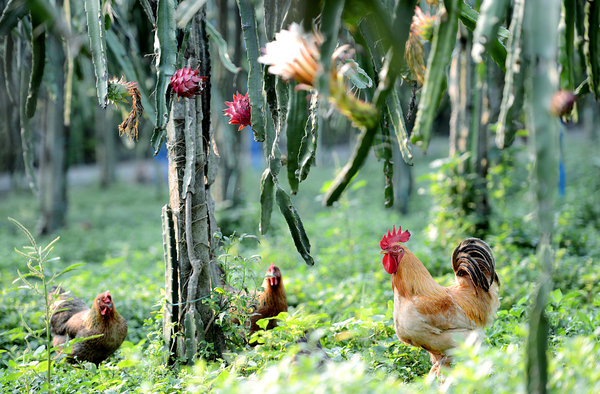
(71, 318)
(272, 301)
(438, 318)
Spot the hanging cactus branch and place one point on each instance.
(591, 45)
(435, 79)
(469, 17)
(95, 23)
(166, 56)
(514, 81)
(38, 49)
(255, 80)
(490, 18)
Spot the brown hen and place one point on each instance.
(71, 318)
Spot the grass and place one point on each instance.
(346, 296)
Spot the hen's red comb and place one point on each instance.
(394, 236)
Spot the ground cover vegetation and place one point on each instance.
(345, 299)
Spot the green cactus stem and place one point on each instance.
(166, 56)
(435, 78)
(540, 32)
(255, 81)
(95, 24)
(514, 90)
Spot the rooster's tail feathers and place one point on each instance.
(474, 258)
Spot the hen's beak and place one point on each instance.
(272, 279)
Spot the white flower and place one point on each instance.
(293, 55)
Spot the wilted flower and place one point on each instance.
(415, 58)
(239, 110)
(119, 90)
(422, 24)
(562, 102)
(186, 82)
(294, 55)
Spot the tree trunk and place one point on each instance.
(193, 164)
(53, 163)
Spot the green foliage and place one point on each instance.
(238, 299)
(454, 194)
(344, 299)
(35, 254)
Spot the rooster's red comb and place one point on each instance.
(393, 237)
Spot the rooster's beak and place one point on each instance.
(384, 252)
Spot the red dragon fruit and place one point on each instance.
(186, 82)
(239, 110)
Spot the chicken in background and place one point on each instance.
(272, 301)
(437, 318)
(310, 346)
(71, 318)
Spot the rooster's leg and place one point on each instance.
(435, 360)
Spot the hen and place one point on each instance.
(438, 318)
(272, 301)
(71, 318)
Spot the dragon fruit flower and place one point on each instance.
(423, 24)
(118, 91)
(294, 55)
(238, 111)
(186, 82)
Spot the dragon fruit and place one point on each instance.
(239, 110)
(186, 82)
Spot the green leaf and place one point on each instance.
(557, 296)
(221, 44)
(126, 364)
(263, 323)
(96, 33)
(13, 376)
(70, 268)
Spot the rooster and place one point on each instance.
(71, 318)
(272, 301)
(437, 318)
